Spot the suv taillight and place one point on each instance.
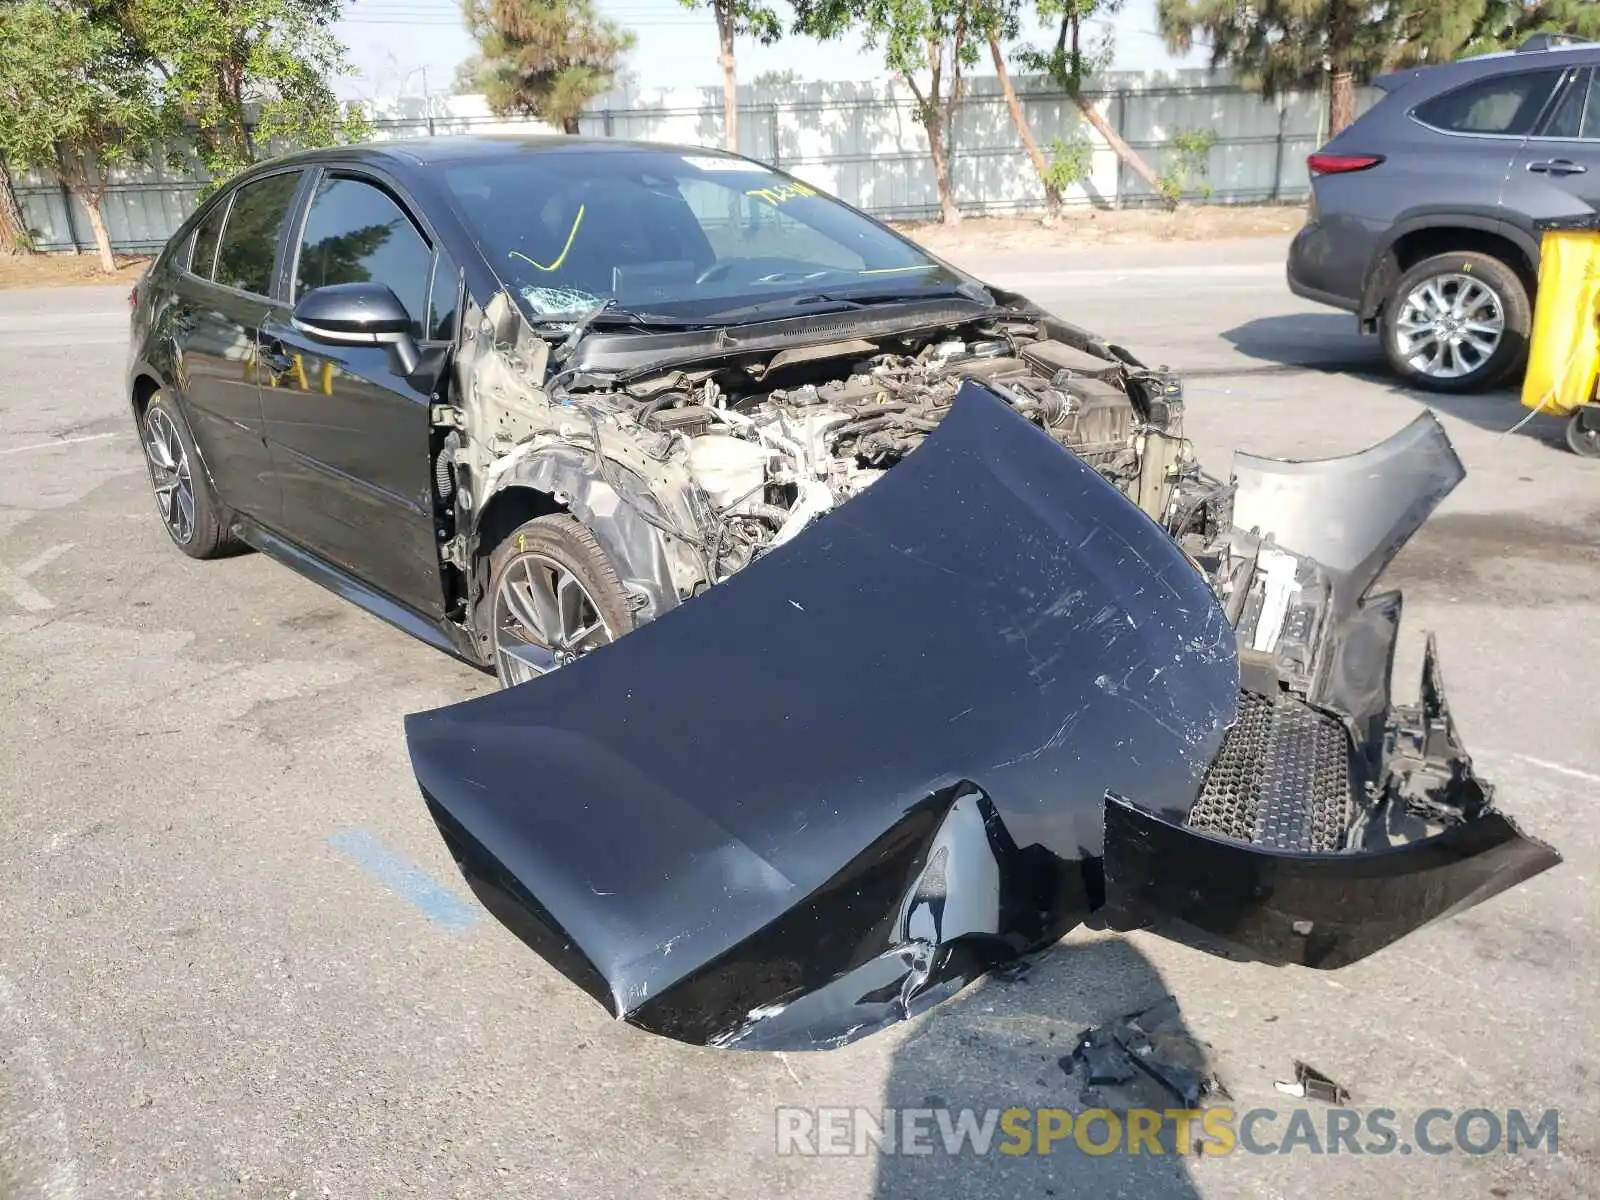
(1341, 164)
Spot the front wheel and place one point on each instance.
(1457, 323)
(553, 597)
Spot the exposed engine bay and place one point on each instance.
(724, 459)
(771, 461)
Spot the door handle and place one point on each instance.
(1557, 166)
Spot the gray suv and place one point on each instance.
(1423, 211)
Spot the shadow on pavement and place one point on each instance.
(1499, 412)
(1311, 342)
(1000, 1045)
(1329, 342)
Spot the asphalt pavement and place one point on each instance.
(236, 960)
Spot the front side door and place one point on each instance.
(1557, 171)
(349, 433)
(223, 299)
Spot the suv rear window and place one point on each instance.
(1501, 104)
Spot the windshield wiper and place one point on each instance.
(974, 292)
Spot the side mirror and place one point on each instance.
(358, 314)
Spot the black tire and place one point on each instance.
(567, 543)
(208, 535)
(1515, 309)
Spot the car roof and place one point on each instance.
(1486, 65)
(1572, 52)
(427, 151)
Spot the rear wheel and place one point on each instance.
(553, 597)
(1457, 323)
(196, 522)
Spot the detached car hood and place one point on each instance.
(983, 700)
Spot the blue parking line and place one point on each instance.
(403, 877)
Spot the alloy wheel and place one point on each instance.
(1449, 326)
(170, 474)
(543, 619)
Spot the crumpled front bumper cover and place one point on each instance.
(888, 757)
(1313, 910)
(1432, 846)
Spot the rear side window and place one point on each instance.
(1577, 115)
(204, 255)
(356, 233)
(250, 238)
(1504, 104)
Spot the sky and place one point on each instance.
(398, 46)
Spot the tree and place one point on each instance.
(468, 79)
(1069, 64)
(74, 96)
(218, 58)
(741, 18)
(936, 37)
(1442, 32)
(1278, 45)
(545, 58)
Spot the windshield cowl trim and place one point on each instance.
(630, 353)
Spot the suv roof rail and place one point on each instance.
(1551, 41)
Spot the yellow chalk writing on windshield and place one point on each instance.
(781, 193)
(560, 258)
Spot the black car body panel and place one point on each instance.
(320, 453)
(900, 765)
(440, 634)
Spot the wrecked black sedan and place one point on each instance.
(938, 640)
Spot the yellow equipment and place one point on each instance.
(1564, 347)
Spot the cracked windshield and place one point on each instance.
(686, 236)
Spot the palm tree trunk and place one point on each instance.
(1052, 195)
(1341, 102)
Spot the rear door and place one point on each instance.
(1557, 171)
(1485, 123)
(351, 435)
(223, 297)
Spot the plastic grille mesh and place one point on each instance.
(1281, 779)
